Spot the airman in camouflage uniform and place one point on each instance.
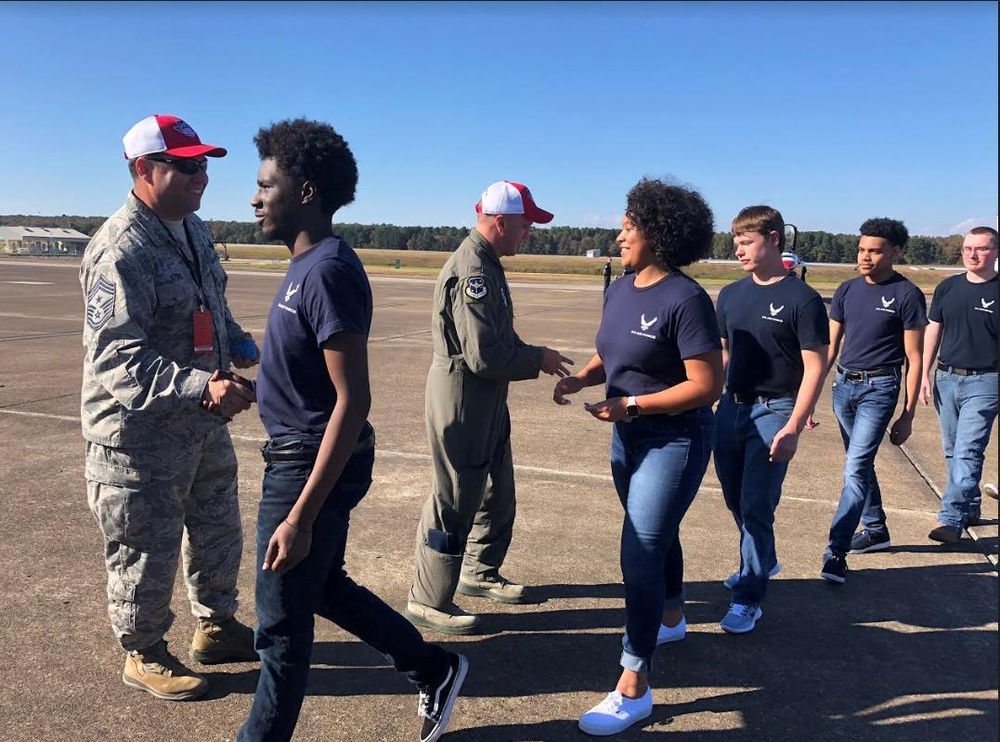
(160, 465)
(468, 520)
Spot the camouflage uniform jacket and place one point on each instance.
(142, 381)
(473, 325)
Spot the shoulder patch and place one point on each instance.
(475, 287)
(100, 303)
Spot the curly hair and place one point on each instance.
(760, 219)
(891, 230)
(313, 151)
(676, 221)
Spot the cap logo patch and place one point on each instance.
(184, 130)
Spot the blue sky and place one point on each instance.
(830, 112)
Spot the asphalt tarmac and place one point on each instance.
(905, 651)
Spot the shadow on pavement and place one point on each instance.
(888, 656)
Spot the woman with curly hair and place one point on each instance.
(659, 357)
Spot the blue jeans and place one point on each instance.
(286, 603)
(751, 484)
(966, 407)
(864, 410)
(657, 463)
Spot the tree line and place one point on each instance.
(813, 247)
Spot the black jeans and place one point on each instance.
(286, 603)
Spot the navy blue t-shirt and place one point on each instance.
(874, 316)
(767, 326)
(968, 314)
(324, 292)
(647, 333)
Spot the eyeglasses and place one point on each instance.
(184, 165)
(980, 250)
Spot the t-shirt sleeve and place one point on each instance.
(812, 325)
(935, 314)
(720, 313)
(335, 299)
(837, 304)
(697, 327)
(914, 309)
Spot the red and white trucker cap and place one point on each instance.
(506, 197)
(169, 135)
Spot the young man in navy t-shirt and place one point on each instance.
(313, 396)
(963, 321)
(774, 336)
(880, 317)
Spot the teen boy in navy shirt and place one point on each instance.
(963, 320)
(774, 338)
(880, 317)
(313, 396)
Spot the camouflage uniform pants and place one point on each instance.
(153, 506)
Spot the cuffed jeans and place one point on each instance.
(287, 602)
(657, 463)
(864, 410)
(966, 408)
(751, 484)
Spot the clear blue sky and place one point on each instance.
(831, 112)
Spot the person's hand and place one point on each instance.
(288, 546)
(566, 385)
(900, 430)
(553, 362)
(227, 394)
(810, 423)
(785, 444)
(926, 391)
(244, 352)
(609, 410)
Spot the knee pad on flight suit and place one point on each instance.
(445, 543)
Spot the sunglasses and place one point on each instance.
(184, 165)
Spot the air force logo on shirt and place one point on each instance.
(645, 324)
(986, 306)
(887, 305)
(775, 311)
(291, 291)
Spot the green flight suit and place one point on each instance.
(468, 520)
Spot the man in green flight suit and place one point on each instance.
(467, 522)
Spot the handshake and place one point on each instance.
(227, 394)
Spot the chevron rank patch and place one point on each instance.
(100, 303)
(475, 288)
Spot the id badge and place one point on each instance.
(202, 322)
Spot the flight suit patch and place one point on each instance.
(475, 288)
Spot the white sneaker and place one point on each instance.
(730, 582)
(667, 634)
(616, 713)
(991, 489)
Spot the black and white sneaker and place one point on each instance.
(835, 569)
(869, 540)
(436, 703)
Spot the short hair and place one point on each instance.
(676, 221)
(762, 219)
(892, 230)
(314, 151)
(131, 168)
(985, 230)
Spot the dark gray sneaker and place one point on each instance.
(869, 540)
(436, 703)
(946, 534)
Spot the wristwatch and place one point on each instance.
(631, 408)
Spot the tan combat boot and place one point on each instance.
(226, 641)
(494, 587)
(451, 621)
(156, 671)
